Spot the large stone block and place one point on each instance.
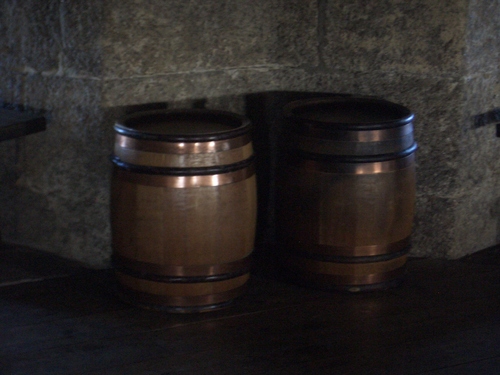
(477, 218)
(482, 98)
(11, 87)
(61, 195)
(192, 85)
(478, 214)
(82, 26)
(231, 103)
(483, 29)
(295, 26)
(152, 37)
(31, 35)
(8, 178)
(434, 231)
(423, 36)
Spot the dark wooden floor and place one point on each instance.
(57, 318)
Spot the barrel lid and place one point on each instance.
(348, 113)
(183, 125)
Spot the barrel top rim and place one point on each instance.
(124, 125)
(406, 115)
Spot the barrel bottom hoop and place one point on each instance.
(331, 255)
(350, 283)
(182, 280)
(342, 274)
(179, 304)
(182, 274)
(349, 252)
(322, 283)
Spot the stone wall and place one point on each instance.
(477, 219)
(54, 193)
(88, 62)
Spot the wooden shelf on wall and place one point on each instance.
(15, 124)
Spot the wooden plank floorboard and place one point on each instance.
(80, 356)
(19, 264)
(55, 299)
(126, 320)
(278, 340)
(461, 349)
(57, 323)
(483, 367)
(444, 316)
(297, 337)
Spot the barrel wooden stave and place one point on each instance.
(183, 213)
(347, 195)
(218, 223)
(349, 210)
(181, 297)
(348, 216)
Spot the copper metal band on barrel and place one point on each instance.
(192, 303)
(340, 281)
(375, 167)
(356, 135)
(351, 251)
(172, 273)
(181, 147)
(185, 181)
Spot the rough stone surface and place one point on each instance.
(82, 24)
(156, 37)
(8, 176)
(11, 87)
(31, 35)
(423, 36)
(434, 226)
(61, 192)
(10, 94)
(479, 147)
(232, 103)
(194, 85)
(295, 26)
(478, 215)
(483, 43)
(477, 219)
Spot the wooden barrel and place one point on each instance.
(346, 199)
(183, 208)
